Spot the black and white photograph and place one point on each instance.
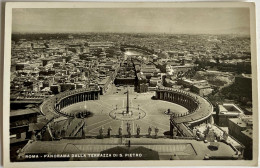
(100, 82)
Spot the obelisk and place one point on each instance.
(127, 102)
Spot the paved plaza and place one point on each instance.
(106, 112)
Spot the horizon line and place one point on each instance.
(161, 33)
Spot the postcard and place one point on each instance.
(130, 84)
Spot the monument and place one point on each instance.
(127, 113)
(127, 101)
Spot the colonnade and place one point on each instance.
(180, 98)
(75, 98)
(199, 110)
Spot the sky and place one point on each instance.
(132, 20)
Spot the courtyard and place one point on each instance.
(108, 112)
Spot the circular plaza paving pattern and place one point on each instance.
(109, 111)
